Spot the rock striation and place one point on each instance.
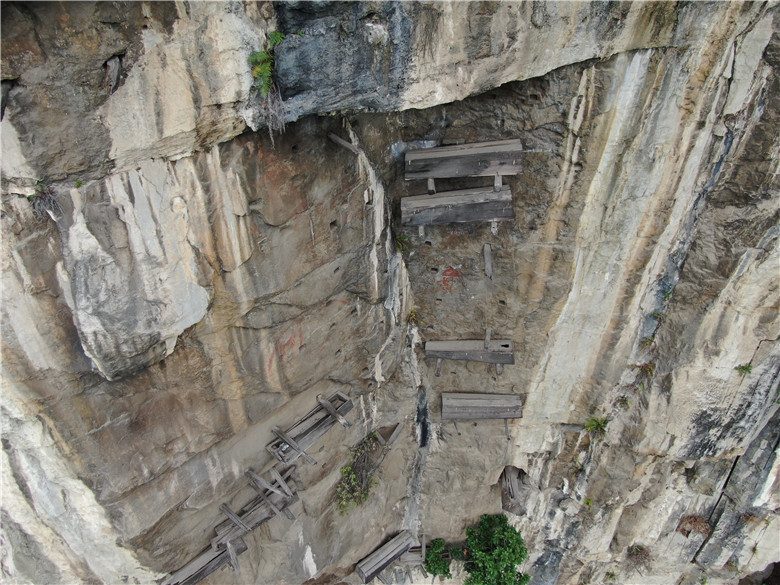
(193, 282)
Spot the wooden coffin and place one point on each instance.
(466, 406)
(384, 556)
(483, 159)
(310, 428)
(499, 351)
(464, 206)
(204, 565)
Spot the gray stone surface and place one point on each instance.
(204, 286)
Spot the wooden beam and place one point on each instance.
(225, 509)
(488, 253)
(396, 433)
(498, 352)
(307, 430)
(465, 160)
(231, 550)
(204, 565)
(332, 411)
(341, 142)
(260, 484)
(280, 480)
(287, 439)
(276, 510)
(463, 206)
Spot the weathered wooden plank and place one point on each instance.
(464, 406)
(332, 411)
(341, 142)
(225, 509)
(254, 515)
(231, 550)
(498, 352)
(464, 206)
(280, 479)
(204, 565)
(511, 482)
(384, 556)
(465, 160)
(261, 484)
(310, 428)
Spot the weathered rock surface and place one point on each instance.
(202, 286)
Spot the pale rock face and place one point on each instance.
(204, 286)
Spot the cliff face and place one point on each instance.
(195, 285)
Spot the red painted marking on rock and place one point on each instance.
(448, 277)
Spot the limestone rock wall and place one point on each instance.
(196, 285)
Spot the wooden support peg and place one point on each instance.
(383, 579)
(497, 182)
(232, 555)
(325, 403)
(456, 426)
(506, 428)
(488, 333)
(494, 228)
(499, 369)
(438, 367)
(421, 231)
(488, 253)
(341, 142)
(431, 186)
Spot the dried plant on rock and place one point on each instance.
(355, 483)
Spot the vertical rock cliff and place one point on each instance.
(176, 283)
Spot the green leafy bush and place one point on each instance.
(495, 550)
(596, 426)
(744, 369)
(354, 486)
(262, 62)
(436, 559)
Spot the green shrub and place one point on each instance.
(596, 426)
(402, 243)
(495, 550)
(262, 63)
(436, 561)
(355, 484)
(744, 369)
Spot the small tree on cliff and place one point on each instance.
(494, 552)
